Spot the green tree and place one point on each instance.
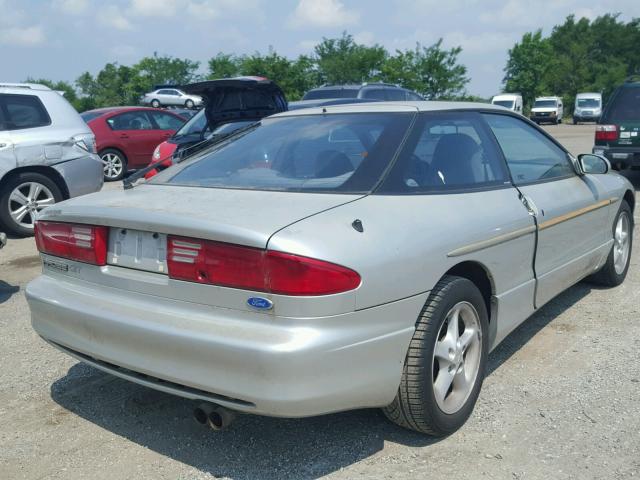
(528, 65)
(431, 71)
(342, 60)
(224, 65)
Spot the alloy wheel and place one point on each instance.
(26, 200)
(621, 242)
(113, 165)
(456, 357)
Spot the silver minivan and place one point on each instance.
(47, 154)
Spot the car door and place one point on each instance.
(571, 210)
(137, 136)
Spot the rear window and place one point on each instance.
(340, 153)
(22, 111)
(624, 106)
(331, 93)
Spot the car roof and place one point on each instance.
(588, 94)
(388, 107)
(23, 86)
(547, 98)
(125, 109)
(506, 95)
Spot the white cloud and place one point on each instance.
(322, 13)
(365, 38)
(22, 36)
(72, 7)
(112, 17)
(155, 8)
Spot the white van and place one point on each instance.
(588, 108)
(547, 109)
(512, 101)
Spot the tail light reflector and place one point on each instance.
(236, 266)
(83, 243)
(607, 133)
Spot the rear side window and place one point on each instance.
(447, 152)
(130, 121)
(624, 106)
(396, 94)
(530, 155)
(324, 93)
(22, 111)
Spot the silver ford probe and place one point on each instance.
(334, 258)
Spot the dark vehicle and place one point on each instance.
(230, 104)
(373, 91)
(618, 131)
(326, 103)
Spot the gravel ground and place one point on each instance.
(560, 401)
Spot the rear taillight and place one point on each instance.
(83, 243)
(607, 133)
(235, 266)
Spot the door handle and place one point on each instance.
(529, 205)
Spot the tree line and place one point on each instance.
(432, 71)
(577, 56)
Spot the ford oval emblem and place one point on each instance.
(260, 303)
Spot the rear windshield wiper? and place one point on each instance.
(179, 157)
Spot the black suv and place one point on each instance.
(618, 131)
(372, 91)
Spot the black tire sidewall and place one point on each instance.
(10, 185)
(189, 104)
(463, 290)
(123, 159)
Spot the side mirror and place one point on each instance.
(593, 164)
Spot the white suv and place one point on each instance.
(47, 154)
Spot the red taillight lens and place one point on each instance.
(607, 133)
(83, 243)
(249, 268)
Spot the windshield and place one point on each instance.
(504, 103)
(625, 106)
(195, 125)
(88, 116)
(344, 153)
(323, 93)
(545, 104)
(588, 103)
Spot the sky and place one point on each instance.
(60, 39)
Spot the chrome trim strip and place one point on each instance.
(491, 242)
(576, 213)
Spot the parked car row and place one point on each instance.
(588, 107)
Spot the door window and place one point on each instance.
(22, 111)
(375, 93)
(130, 121)
(164, 121)
(530, 155)
(447, 152)
(396, 94)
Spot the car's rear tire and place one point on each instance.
(22, 196)
(189, 104)
(575, 121)
(615, 268)
(444, 367)
(115, 164)
(155, 103)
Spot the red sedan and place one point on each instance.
(127, 136)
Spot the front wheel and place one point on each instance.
(445, 364)
(155, 103)
(22, 197)
(189, 103)
(615, 269)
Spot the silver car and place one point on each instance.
(47, 154)
(171, 97)
(327, 259)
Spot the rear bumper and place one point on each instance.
(247, 361)
(82, 175)
(620, 157)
